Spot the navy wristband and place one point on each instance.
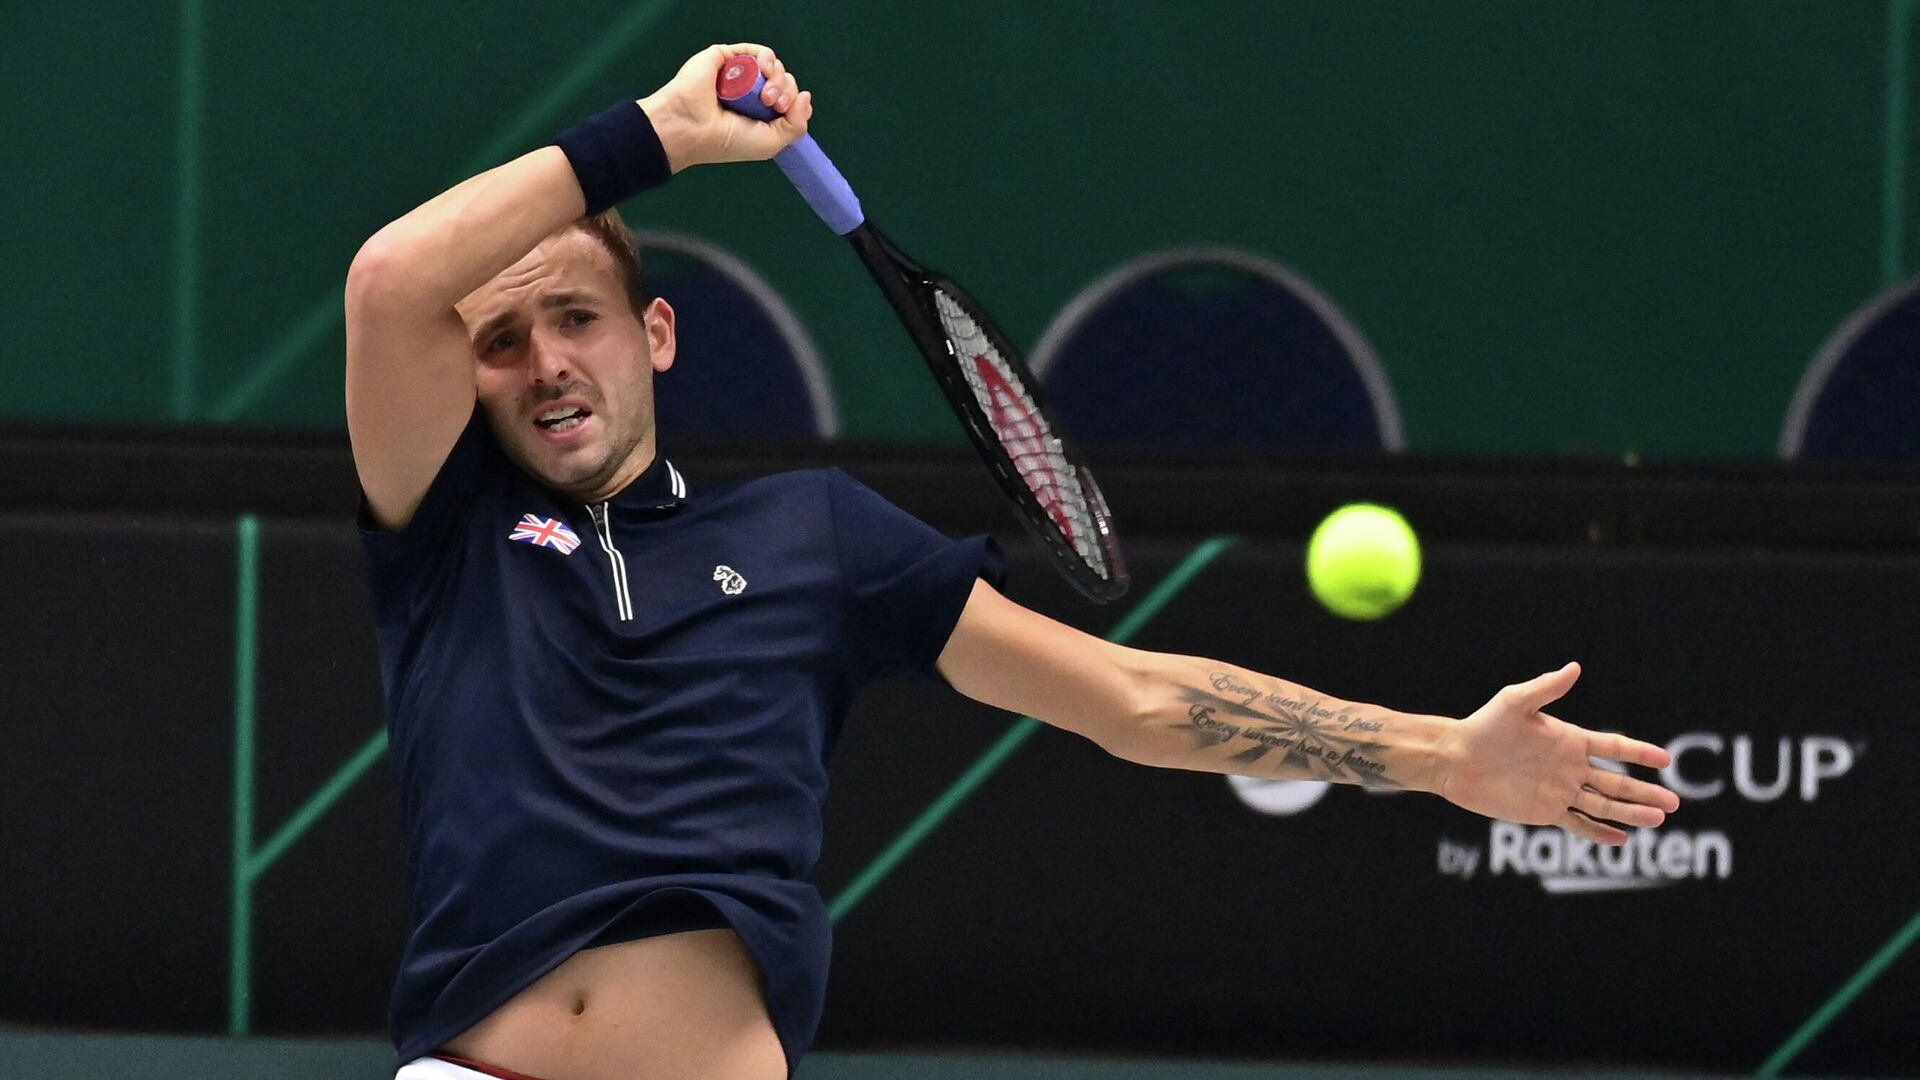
(615, 154)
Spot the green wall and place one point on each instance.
(1566, 226)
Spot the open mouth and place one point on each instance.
(561, 418)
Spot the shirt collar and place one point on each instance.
(659, 487)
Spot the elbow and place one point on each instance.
(385, 276)
(376, 268)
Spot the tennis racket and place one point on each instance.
(987, 383)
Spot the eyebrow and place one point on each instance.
(561, 299)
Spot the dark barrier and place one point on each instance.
(1079, 901)
(90, 1057)
(1073, 901)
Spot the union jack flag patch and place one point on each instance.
(547, 532)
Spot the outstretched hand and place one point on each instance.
(1510, 760)
(696, 130)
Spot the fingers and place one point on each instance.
(1599, 832)
(1543, 690)
(780, 92)
(798, 116)
(1625, 788)
(702, 132)
(1610, 747)
(1595, 805)
(762, 55)
(1609, 797)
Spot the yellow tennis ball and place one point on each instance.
(1363, 561)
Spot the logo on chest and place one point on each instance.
(730, 580)
(545, 532)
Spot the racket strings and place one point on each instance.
(1023, 432)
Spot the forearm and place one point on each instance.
(457, 240)
(1507, 760)
(425, 262)
(454, 242)
(1213, 717)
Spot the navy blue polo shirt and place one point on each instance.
(613, 721)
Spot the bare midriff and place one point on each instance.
(684, 1006)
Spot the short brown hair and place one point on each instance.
(613, 234)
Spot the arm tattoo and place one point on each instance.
(1308, 737)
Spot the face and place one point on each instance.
(564, 368)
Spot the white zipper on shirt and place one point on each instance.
(603, 528)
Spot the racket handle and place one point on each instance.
(805, 164)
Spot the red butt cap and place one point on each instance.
(737, 77)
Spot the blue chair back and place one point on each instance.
(1214, 348)
(1859, 399)
(746, 368)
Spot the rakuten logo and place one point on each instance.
(1565, 863)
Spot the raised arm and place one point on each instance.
(410, 381)
(1508, 760)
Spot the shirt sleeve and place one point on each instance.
(905, 583)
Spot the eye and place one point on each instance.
(580, 318)
(501, 342)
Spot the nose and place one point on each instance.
(547, 359)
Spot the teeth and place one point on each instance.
(559, 411)
(573, 421)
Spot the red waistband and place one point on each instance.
(483, 1067)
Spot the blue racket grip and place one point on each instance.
(805, 164)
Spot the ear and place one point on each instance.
(661, 341)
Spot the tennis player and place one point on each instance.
(613, 692)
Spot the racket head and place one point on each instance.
(1003, 410)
